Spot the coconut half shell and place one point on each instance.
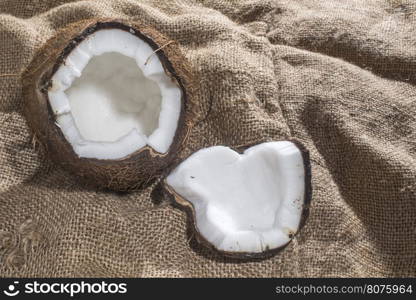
(244, 205)
(128, 172)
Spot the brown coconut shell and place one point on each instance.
(137, 169)
(189, 209)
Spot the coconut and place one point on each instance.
(110, 100)
(244, 205)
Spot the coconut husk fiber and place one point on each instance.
(339, 76)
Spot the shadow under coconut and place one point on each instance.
(157, 196)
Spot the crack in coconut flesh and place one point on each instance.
(243, 203)
(111, 97)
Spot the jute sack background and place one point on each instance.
(339, 76)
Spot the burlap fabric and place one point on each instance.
(339, 76)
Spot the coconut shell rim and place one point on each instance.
(139, 28)
(53, 144)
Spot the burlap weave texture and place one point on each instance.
(340, 76)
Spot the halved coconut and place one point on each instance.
(110, 100)
(245, 204)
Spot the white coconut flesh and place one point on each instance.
(112, 97)
(251, 202)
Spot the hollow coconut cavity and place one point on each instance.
(113, 96)
(244, 204)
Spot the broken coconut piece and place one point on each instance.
(109, 99)
(244, 204)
